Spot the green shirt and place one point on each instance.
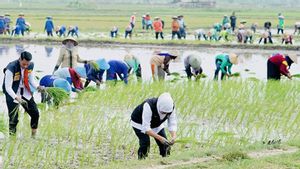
(223, 60)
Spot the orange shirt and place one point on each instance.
(175, 26)
(157, 25)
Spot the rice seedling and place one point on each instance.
(57, 95)
(95, 129)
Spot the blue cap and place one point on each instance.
(81, 71)
(102, 64)
(63, 84)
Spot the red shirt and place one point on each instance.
(279, 60)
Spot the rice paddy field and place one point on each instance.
(242, 122)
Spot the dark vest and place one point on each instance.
(15, 68)
(137, 113)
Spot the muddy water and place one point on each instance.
(45, 58)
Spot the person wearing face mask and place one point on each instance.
(192, 64)
(18, 87)
(278, 64)
(147, 120)
(68, 55)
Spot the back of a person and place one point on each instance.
(157, 60)
(277, 59)
(117, 66)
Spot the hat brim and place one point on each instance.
(102, 64)
(71, 39)
(233, 58)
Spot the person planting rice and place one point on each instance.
(192, 64)
(73, 76)
(54, 81)
(18, 86)
(287, 39)
(117, 68)
(278, 64)
(224, 63)
(134, 65)
(73, 31)
(147, 120)
(60, 31)
(160, 64)
(95, 72)
(68, 55)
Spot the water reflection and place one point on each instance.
(45, 57)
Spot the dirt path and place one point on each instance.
(258, 154)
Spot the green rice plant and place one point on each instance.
(57, 95)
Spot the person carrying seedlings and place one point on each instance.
(54, 81)
(287, 39)
(160, 64)
(49, 26)
(192, 64)
(134, 65)
(61, 31)
(280, 26)
(278, 64)
(95, 71)
(18, 86)
(147, 121)
(21, 23)
(158, 28)
(74, 76)
(175, 28)
(224, 63)
(117, 69)
(68, 55)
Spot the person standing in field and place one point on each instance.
(224, 63)
(128, 31)
(49, 26)
(147, 121)
(278, 64)
(158, 27)
(192, 64)
(175, 28)
(148, 22)
(2, 24)
(233, 21)
(160, 64)
(68, 55)
(18, 87)
(144, 22)
(7, 23)
(132, 20)
(21, 23)
(182, 26)
(280, 26)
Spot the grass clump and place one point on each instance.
(235, 156)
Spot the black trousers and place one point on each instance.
(13, 113)
(159, 33)
(273, 71)
(176, 33)
(49, 33)
(188, 71)
(218, 69)
(144, 141)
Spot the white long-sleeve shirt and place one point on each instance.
(9, 81)
(146, 119)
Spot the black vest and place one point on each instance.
(15, 68)
(137, 113)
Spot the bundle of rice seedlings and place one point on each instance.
(94, 65)
(57, 95)
(296, 75)
(175, 74)
(237, 74)
(89, 89)
(199, 76)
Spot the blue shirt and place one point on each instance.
(120, 68)
(2, 23)
(93, 74)
(21, 23)
(49, 26)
